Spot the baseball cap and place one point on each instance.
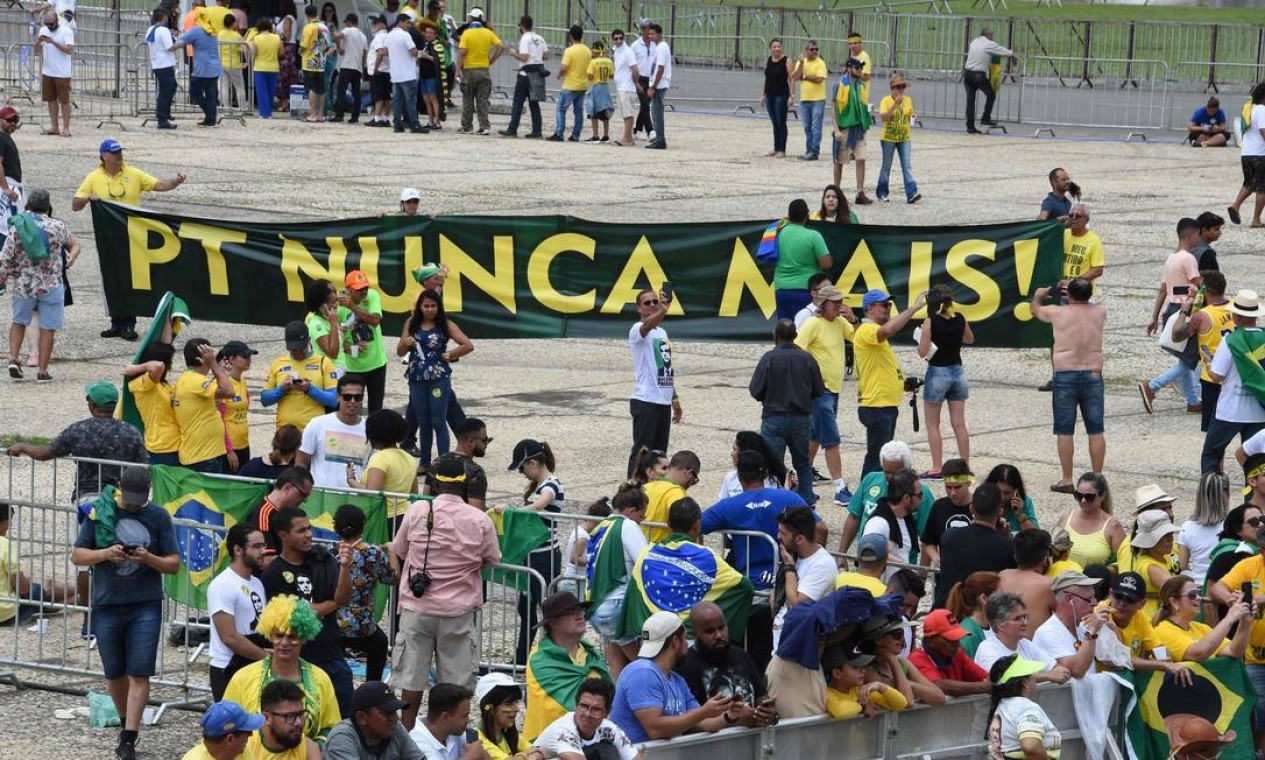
(857, 653)
(655, 632)
(872, 548)
(235, 348)
(827, 293)
(134, 483)
(224, 718)
(874, 296)
(475, 13)
(377, 694)
(296, 334)
(880, 625)
(1129, 586)
(524, 450)
(491, 681)
(425, 272)
(853, 63)
(357, 280)
(377, 18)
(110, 145)
(9, 112)
(1062, 540)
(1070, 578)
(410, 193)
(102, 393)
(942, 623)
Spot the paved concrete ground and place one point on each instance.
(573, 393)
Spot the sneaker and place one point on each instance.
(917, 197)
(336, 118)
(507, 133)
(883, 199)
(43, 378)
(111, 333)
(594, 138)
(819, 478)
(465, 131)
(1148, 396)
(128, 333)
(554, 138)
(863, 200)
(166, 125)
(605, 138)
(399, 130)
(125, 751)
(483, 132)
(843, 496)
(573, 138)
(15, 370)
(420, 130)
(808, 157)
(973, 131)
(1048, 387)
(533, 136)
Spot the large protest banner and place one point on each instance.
(556, 276)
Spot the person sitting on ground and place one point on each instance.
(714, 665)
(441, 735)
(1017, 726)
(560, 662)
(498, 697)
(226, 728)
(1188, 640)
(1207, 127)
(373, 731)
(942, 661)
(16, 583)
(849, 695)
(587, 732)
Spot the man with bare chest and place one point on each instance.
(1028, 578)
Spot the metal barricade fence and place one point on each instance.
(1117, 92)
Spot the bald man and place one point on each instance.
(714, 666)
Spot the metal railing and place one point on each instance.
(1122, 93)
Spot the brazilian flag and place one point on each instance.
(1222, 694)
(553, 678)
(169, 318)
(518, 532)
(677, 574)
(1247, 348)
(605, 570)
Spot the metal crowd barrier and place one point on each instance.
(1113, 92)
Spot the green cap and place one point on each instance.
(102, 393)
(425, 272)
(1021, 668)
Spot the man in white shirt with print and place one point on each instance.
(654, 404)
(334, 441)
(569, 736)
(235, 599)
(56, 44)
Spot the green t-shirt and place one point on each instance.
(874, 487)
(318, 327)
(374, 354)
(797, 250)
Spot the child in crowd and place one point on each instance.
(575, 555)
(429, 74)
(848, 694)
(600, 105)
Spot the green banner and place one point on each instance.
(1221, 693)
(556, 276)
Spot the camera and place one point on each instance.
(912, 384)
(418, 583)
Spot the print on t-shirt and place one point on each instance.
(131, 533)
(663, 362)
(344, 448)
(302, 583)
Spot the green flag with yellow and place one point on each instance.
(1221, 693)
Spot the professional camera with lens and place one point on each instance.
(912, 384)
(419, 582)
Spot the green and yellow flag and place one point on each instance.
(169, 318)
(1247, 348)
(1221, 693)
(518, 531)
(605, 570)
(677, 574)
(553, 678)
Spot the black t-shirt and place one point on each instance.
(315, 580)
(947, 335)
(776, 84)
(737, 677)
(945, 516)
(428, 69)
(9, 154)
(972, 549)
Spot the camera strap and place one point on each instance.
(430, 528)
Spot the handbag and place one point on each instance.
(1166, 336)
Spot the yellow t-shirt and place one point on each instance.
(267, 52)
(320, 702)
(1251, 569)
(1139, 636)
(879, 380)
(197, 414)
(856, 580)
(825, 340)
(601, 70)
(1063, 565)
(661, 494)
(478, 44)
(896, 128)
(1222, 325)
(1177, 641)
(215, 18)
(153, 401)
(576, 58)
(296, 408)
(1141, 565)
(501, 750)
(255, 750)
(400, 468)
(230, 51)
(8, 568)
(308, 45)
(1080, 254)
(866, 68)
(845, 704)
(235, 414)
(811, 91)
(124, 187)
(199, 752)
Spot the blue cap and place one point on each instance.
(872, 547)
(873, 297)
(110, 145)
(224, 718)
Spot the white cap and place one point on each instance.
(489, 682)
(410, 194)
(657, 629)
(475, 13)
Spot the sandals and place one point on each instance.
(1234, 214)
(1063, 487)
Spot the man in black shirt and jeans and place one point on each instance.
(975, 548)
(785, 382)
(324, 580)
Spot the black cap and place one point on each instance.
(1129, 586)
(376, 694)
(134, 483)
(524, 450)
(296, 334)
(235, 348)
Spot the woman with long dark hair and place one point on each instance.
(834, 208)
(499, 698)
(966, 601)
(149, 387)
(425, 342)
(323, 322)
(1096, 534)
(1013, 707)
(776, 94)
(946, 378)
(1239, 540)
(650, 464)
(749, 440)
(1016, 506)
(288, 30)
(535, 461)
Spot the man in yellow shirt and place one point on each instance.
(824, 336)
(1133, 628)
(811, 72)
(871, 564)
(284, 706)
(574, 74)
(195, 401)
(301, 383)
(1082, 249)
(867, 69)
(662, 493)
(879, 383)
(313, 48)
(476, 52)
(226, 728)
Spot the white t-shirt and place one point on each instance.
(378, 42)
(533, 46)
(662, 60)
(332, 446)
(814, 577)
(731, 486)
(624, 59)
(652, 365)
(991, 650)
(243, 598)
(1054, 639)
(1199, 540)
(563, 736)
(431, 748)
(1236, 403)
(569, 568)
(354, 46)
(1253, 143)
(881, 528)
(400, 59)
(160, 41)
(56, 63)
(803, 314)
(1020, 716)
(1255, 444)
(643, 54)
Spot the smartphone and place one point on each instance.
(669, 291)
(131, 549)
(1181, 290)
(1246, 588)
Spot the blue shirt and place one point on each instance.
(1056, 206)
(1202, 118)
(206, 53)
(754, 511)
(641, 685)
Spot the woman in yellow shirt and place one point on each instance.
(266, 50)
(1188, 640)
(389, 468)
(235, 356)
(499, 697)
(1151, 545)
(152, 393)
(1096, 534)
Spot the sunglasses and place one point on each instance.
(1192, 595)
(812, 50)
(651, 302)
(898, 87)
(1083, 496)
(1077, 216)
(352, 396)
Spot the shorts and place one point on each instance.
(627, 104)
(945, 384)
(127, 638)
(1078, 389)
(1257, 674)
(51, 306)
(1253, 171)
(605, 617)
(823, 423)
(843, 154)
(380, 87)
(55, 89)
(452, 642)
(314, 81)
(428, 86)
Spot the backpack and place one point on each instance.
(31, 233)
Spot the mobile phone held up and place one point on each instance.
(668, 290)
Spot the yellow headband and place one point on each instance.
(1256, 471)
(454, 479)
(957, 480)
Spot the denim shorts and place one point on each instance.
(606, 618)
(945, 384)
(127, 638)
(51, 306)
(1078, 389)
(428, 86)
(823, 423)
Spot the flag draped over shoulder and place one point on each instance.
(553, 678)
(1222, 694)
(518, 531)
(169, 318)
(606, 569)
(1247, 347)
(677, 574)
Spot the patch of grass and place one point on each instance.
(1017, 9)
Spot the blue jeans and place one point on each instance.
(810, 114)
(790, 431)
(522, 91)
(1078, 389)
(166, 80)
(656, 116)
(880, 427)
(213, 466)
(127, 638)
(339, 673)
(404, 104)
(574, 100)
(206, 92)
(429, 400)
(265, 91)
(1186, 377)
(906, 168)
(776, 106)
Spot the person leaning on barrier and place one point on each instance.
(943, 662)
(613, 549)
(559, 662)
(1188, 640)
(443, 733)
(130, 544)
(373, 730)
(586, 732)
(442, 545)
(715, 666)
(1017, 727)
(226, 729)
(979, 56)
(888, 634)
(1071, 633)
(662, 493)
(235, 599)
(849, 694)
(15, 582)
(1008, 634)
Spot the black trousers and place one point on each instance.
(374, 648)
(349, 78)
(644, 122)
(977, 81)
(652, 424)
(375, 386)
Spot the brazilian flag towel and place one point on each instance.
(605, 570)
(1247, 348)
(169, 318)
(1222, 694)
(677, 574)
(553, 678)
